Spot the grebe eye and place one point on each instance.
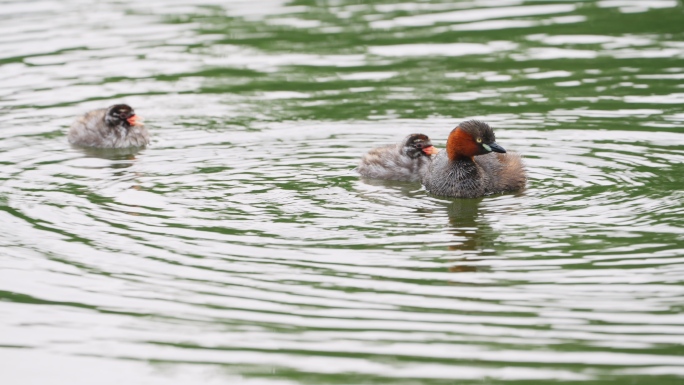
(479, 140)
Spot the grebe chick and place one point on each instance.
(405, 161)
(115, 127)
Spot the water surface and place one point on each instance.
(241, 247)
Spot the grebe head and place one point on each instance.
(471, 138)
(417, 145)
(122, 114)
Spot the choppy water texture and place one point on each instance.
(242, 248)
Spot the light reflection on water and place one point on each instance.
(241, 246)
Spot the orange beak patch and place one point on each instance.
(135, 120)
(432, 150)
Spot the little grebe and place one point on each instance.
(469, 169)
(115, 127)
(407, 161)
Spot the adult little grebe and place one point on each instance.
(407, 161)
(469, 169)
(115, 127)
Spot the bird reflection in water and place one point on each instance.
(476, 238)
(121, 160)
(121, 157)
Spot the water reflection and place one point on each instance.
(120, 157)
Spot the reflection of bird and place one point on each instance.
(115, 127)
(407, 161)
(474, 240)
(469, 169)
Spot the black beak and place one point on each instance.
(496, 148)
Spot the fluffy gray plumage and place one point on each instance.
(405, 161)
(471, 178)
(108, 128)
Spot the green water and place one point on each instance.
(241, 246)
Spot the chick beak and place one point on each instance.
(494, 147)
(134, 120)
(431, 150)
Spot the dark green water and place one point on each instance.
(241, 247)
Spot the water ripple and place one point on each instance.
(241, 245)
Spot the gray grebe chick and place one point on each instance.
(406, 161)
(474, 165)
(115, 127)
